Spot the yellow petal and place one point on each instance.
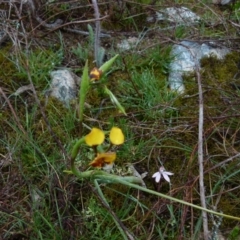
(116, 136)
(95, 74)
(95, 137)
(103, 158)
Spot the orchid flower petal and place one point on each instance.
(168, 173)
(116, 136)
(95, 137)
(166, 177)
(157, 176)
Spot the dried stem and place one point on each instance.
(97, 33)
(200, 156)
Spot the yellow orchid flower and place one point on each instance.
(116, 136)
(95, 74)
(95, 137)
(103, 158)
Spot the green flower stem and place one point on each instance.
(76, 148)
(74, 154)
(85, 84)
(109, 148)
(103, 176)
(107, 177)
(95, 150)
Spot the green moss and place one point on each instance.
(8, 70)
(216, 78)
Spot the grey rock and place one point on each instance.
(64, 85)
(176, 15)
(187, 56)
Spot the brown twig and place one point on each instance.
(97, 33)
(200, 155)
(70, 23)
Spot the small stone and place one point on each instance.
(222, 2)
(175, 14)
(64, 85)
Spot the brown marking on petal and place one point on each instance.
(97, 162)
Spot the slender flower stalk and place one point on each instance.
(85, 84)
